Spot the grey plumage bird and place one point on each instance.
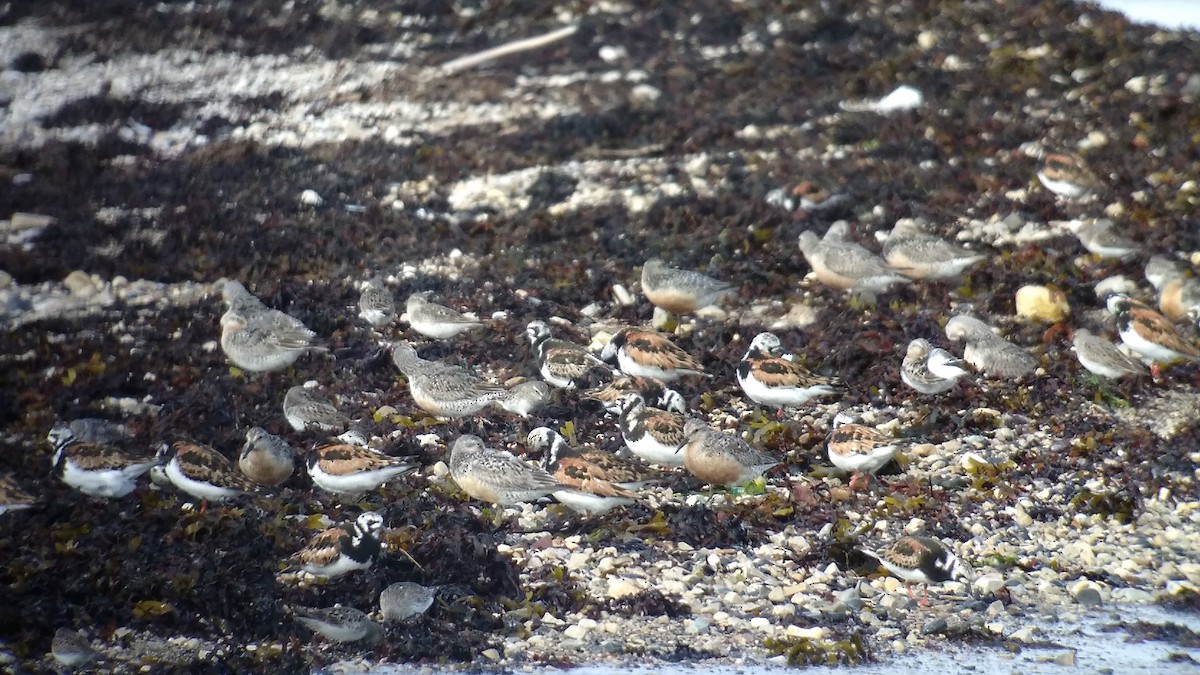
(441, 389)
(338, 623)
(437, 321)
(376, 305)
(681, 291)
(305, 410)
(496, 476)
(266, 458)
(404, 599)
(71, 649)
(257, 338)
(1103, 358)
(919, 255)
(988, 352)
(836, 261)
(719, 458)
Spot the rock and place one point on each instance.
(620, 588)
(80, 284)
(1086, 592)
(1066, 658)
(814, 633)
(850, 597)
(1046, 304)
(936, 625)
(987, 584)
(1024, 635)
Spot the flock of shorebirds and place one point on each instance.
(631, 374)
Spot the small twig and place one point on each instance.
(472, 60)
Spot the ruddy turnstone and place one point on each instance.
(650, 433)
(923, 560)
(778, 382)
(719, 458)
(341, 548)
(203, 472)
(1102, 357)
(525, 398)
(376, 305)
(919, 255)
(1149, 333)
(647, 354)
(1067, 175)
(858, 448)
(1101, 238)
(496, 476)
(12, 497)
(436, 321)
(680, 291)
(71, 649)
(404, 599)
(346, 468)
(95, 469)
(1178, 294)
(929, 369)
(595, 478)
(988, 352)
(562, 363)
(266, 458)
(338, 623)
(650, 389)
(441, 389)
(844, 264)
(306, 410)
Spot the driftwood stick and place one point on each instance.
(524, 45)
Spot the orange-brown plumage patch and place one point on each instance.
(908, 552)
(648, 387)
(1170, 300)
(324, 548)
(673, 300)
(713, 469)
(854, 439)
(652, 349)
(665, 426)
(99, 457)
(341, 460)
(1155, 327)
(780, 372)
(202, 463)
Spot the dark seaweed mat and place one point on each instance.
(220, 578)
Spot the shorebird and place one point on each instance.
(344, 468)
(598, 481)
(403, 600)
(919, 255)
(929, 369)
(441, 389)
(1067, 175)
(562, 363)
(1101, 238)
(257, 338)
(1178, 294)
(71, 649)
(680, 291)
(339, 624)
(1149, 333)
(376, 305)
(844, 264)
(436, 321)
(496, 476)
(648, 354)
(988, 352)
(525, 398)
(650, 433)
(12, 497)
(1101, 357)
(922, 560)
(718, 458)
(342, 548)
(778, 382)
(203, 472)
(266, 458)
(858, 449)
(96, 469)
(306, 410)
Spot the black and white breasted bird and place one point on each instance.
(929, 369)
(771, 380)
(923, 560)
(653, 434)
(1149, 333)
(562, 363)
(96, 469)
(599, 481)
(648, 354)
(341, 548)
